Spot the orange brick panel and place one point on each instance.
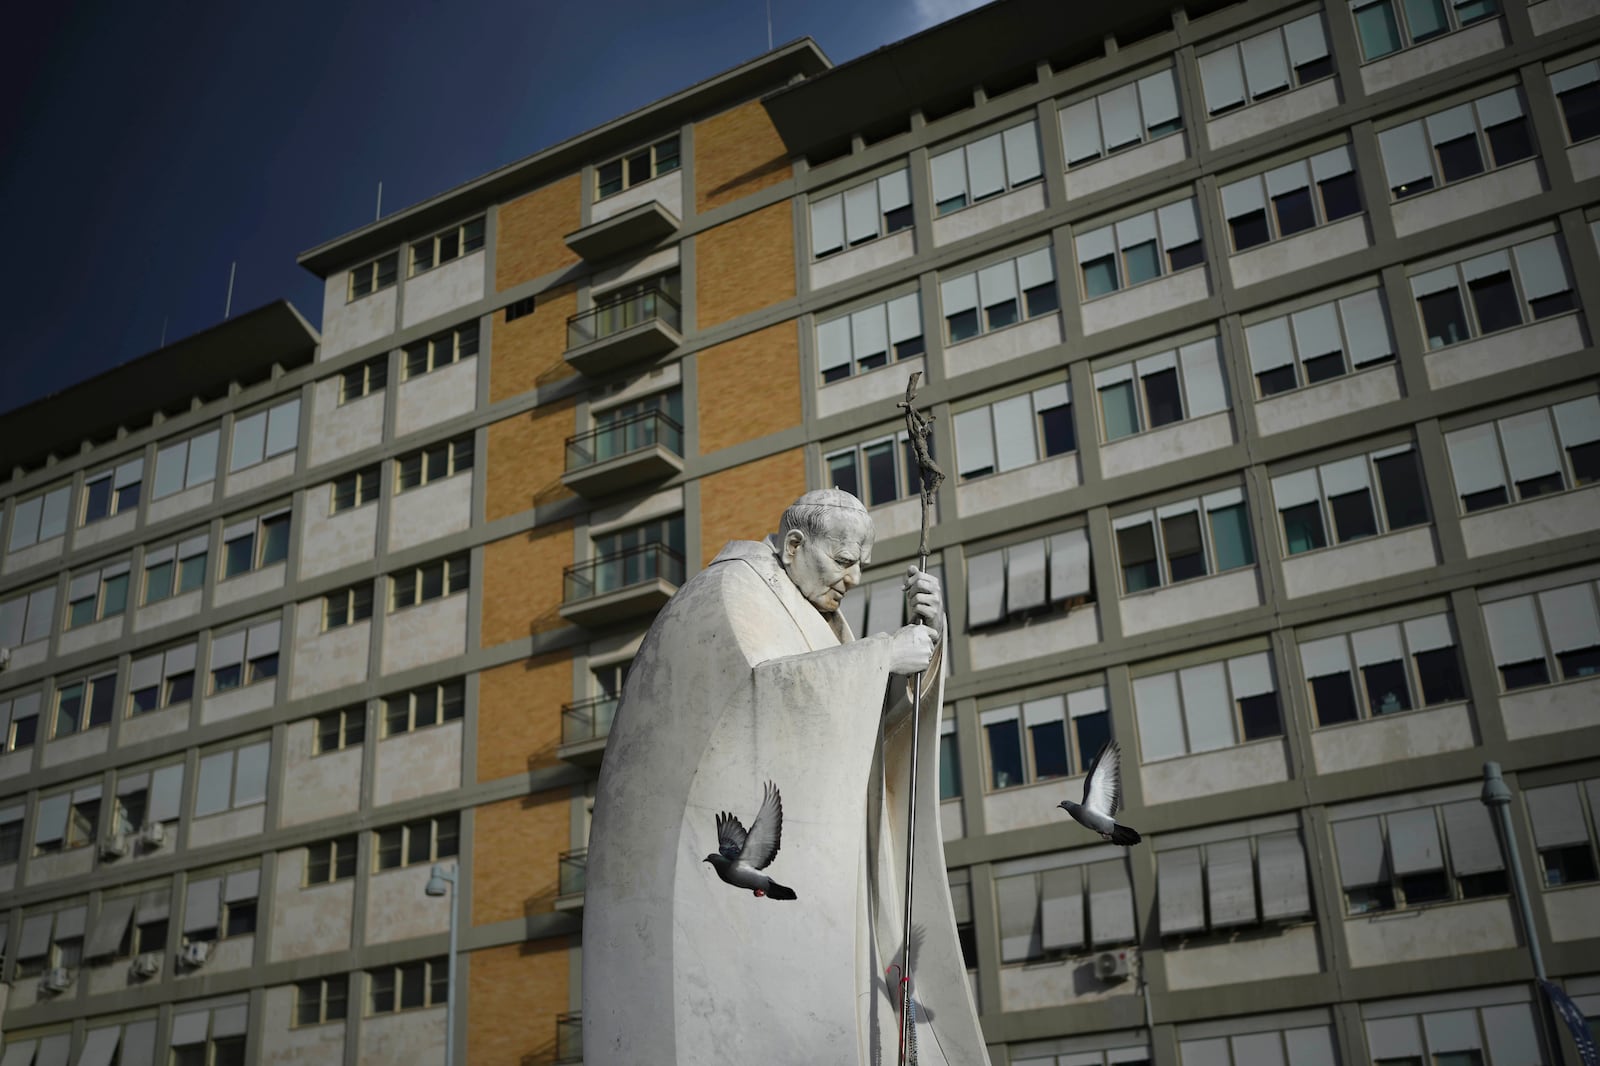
(749, 387)
(530, 240)
(519, 714)
(744, 265)
(745, 502)
(529, 351)
(737, 153)
(515, 847)
(514, 995)
(525, 460)
(523, 595)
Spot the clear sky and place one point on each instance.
(148, 146)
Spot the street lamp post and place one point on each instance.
(442, 882)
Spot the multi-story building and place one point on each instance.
(1257, 339)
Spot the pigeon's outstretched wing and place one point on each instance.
(730, 836)
(1102, 786)
(766, 832)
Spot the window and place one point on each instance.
(175, 569)
(346, 607)
(949, 762)
(1455, 144)
(425, 840)
(1161, 389)
(1550, 449)
(1120, 118)
(129, 925)
(330, 860)
(960, 882)
(164, 679)
(219, 1051)
(371, 277)
(232, 779)
(1267, 64)
(434, 463)
(354, 489)
(1183, 541)
(1014, 432)
(1336, 502)
(363, 379)
(49, 940)
(1211, 887)
(66, 820)
(434, 704)
(634, 169)
(265, 435)
(1473, 1034)
(628, 427)
(430, 581)
(1383, 670)
(10, 830)
(26, 617)
(338, 730)
(519, 308)
(97, 595)
(1204, 708)
(112, 492)
(999, 295)
(1062, 911)
(1034, 577)
(1387, 26)
(1563, 818)
(244, 657)
(626, 557)
(876, 471)
(186, 464)
(446, 245)
(320, 1000)
(1489, 293)
(861, 213)
(1577, 90)
(1291, 199)
(1139, 249)
(148, 797)
(42, 518)
(1546, 637)
(255, 543)
(1319, 343)
(1304, 1046)
(408, 986)
(84, 705)
(987, 167)
(1044, 738)
(221, 907)
(19, 722)
(870, 338)
(1411, 858)
(440, 350)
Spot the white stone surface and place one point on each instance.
(1571, 910)
(971, 221)
(437, 397)
(76, 640)
(1141, 301)
(1509, 349)
(1392, 738)
(1360, 391)
(326, 661)
(243, 586)
(1000, 346)
(1259, 762)
(425, 634)
(666, 190)
(172, 609)
(1463, 928)
(1541, 519)
(179, 502)
(1439, 54)
(1056, 474)
(875, 386)
(1273, 114)
(284, 1044)
(397, 907)
(1191, 601)
(863, 259)
(316, 786)
(1550, 15)
(420, 763)
(236, 703)
(330, 542)
(1359, 562)
(1551, 709)
(443, 289)
(1280, 953)
(1180, 440)
(347, 325)
(308, 920)
(1040, 637)
(1126, 166)
(1312, 248)
(104, 530)
(434, 510)
(262, 473)
(1463, 199)
(340, 431)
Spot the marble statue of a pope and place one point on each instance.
(751, 675)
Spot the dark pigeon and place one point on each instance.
(1102, 798)
(741, 855)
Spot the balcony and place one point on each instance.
(644, 447)
(572, 869)
(584, 728)
(609, 237)
(641, 325)
(614, 587)
(569, 1037)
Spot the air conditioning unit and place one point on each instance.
(153, 835)
(196, 952)
(147, 965)
(58, 979)
(1111, 965)
(114, 846)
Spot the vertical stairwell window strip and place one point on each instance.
(1291, 199)
(1139, 249)
(1183, 541)
(1280, 60)
(1520, 457)
(999, 295)
(1383, 670)
(861, 214)
(1351, 499)
(1121, 118)
(1015, 432)
(1502, 290)
(985, 168)
(870, 339)
(1384, 27)
(1161, 389)
(1319, 343)
(1455, 144)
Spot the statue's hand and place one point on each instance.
(911, 649)
(927, 598)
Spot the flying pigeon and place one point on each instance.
(1102, 798)
(740, 855)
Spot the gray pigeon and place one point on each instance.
(1102, 798)
(741, 855)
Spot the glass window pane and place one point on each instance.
(1387, 691)
(949, 767)
(1444, 320)
(1117, 408)
(1142, 262)
(1100, 276)
(1400, 480)
(1180, 536)
(1230, 538)
(1379, 32)
(1352, 515)
(881, 486)
(1334, 699)
(1302, 528)
(1092, 731)
(1162, 404)
(1136, 548)
(1049, 750)
(1425, 19)
(1005, 753)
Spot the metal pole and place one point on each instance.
(1497, 797)
(450, 978)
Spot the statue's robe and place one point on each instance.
(740, 681)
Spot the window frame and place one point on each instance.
(469, 237)
(373, 276)
(123, 493)
(359, 487)
(1154, 518)
(977, 562)
(1555, 672)
(1089, 701)
(190, 474)
(1345, 310)
(342, 852)
(1241, 68)
(1185, 361)
(1589, 72)
(402, 834)
(655, 164)
(831, 332)
(1472, 436)
(1474, 106)
(449, 705)
(1257, 189)
(905, 468)
(269, 415)
(448, 347)
(57, 498)
(1392, 881)
(1408, 633)
(1012, 272)
(1002, 138)
(1401, 24)
(90, 685)
(366, 378)
(348, 727)
(1116, 254)
(188, 560)
(1382, 523)
(457, 456)
(345, 607)
(455, 576)
(1049, 391)
(111, 583)
(329, 1007)
(821, 209)
(1079, 110)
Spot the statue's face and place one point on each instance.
(824, 568)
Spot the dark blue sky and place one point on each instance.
(147, 146)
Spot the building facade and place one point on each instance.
(1257, 341)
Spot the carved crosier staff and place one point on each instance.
(919, 428)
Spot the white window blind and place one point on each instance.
(1475, 459)
(1230, 883)
(1017, 899)
(827, 226)
(1513, 631)
(1359, 844)
(1061, 909)
(1366, 327)
(1110, 903)
(1285, 892)
(1222, 79)
(1474, 848)
(1570, 618)
(1160, 717)
(1530, 445)
(1414, 841)
(1178, 880)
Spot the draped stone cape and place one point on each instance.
(740, 681)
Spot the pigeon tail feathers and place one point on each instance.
(1125, 836)
(777, 891)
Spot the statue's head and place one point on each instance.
(823, 540)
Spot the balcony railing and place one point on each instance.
(586, 721)
(624, 437)
(573, 865)
(651, 304)
(569, 1037)
(612, 573)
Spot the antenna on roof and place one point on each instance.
(378, 212)
(163, 343)
(769, 25)
(227, 308)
